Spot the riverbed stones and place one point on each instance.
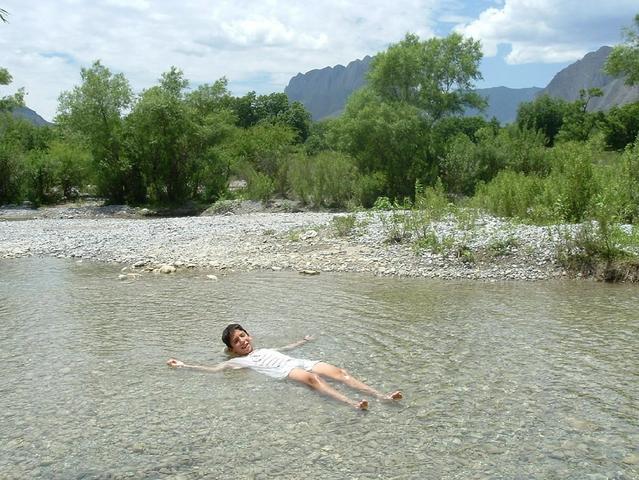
(238, 243)
(167, 269)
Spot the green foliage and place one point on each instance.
(545, 113)
(327, 179)
(40, 181)
(509, 194)
(467, 163)
(95, 109)
(369, 187)
(621, 125)
(172, 139)
(344, 225)
(579, 124)
(259, 186)
(390, 138)
(8, 103)
(436, 75)
(461, 168)
(70, 162)
(624, 59)
(11, 166)
(432, 202)
(273, 108)
(570, 185)
(448, 128)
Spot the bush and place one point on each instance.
(510, 194)
(327, 179)
(10, 173)
(40, 181)
(461, 168)
(570, 186)
(344, 224)
(368, 188)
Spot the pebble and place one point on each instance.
(235, 243)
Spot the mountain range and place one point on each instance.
(324, 92)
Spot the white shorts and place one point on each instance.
(283, 370)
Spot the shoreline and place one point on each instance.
(307, 242)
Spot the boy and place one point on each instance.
(278, 365)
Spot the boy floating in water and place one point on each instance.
(278, 365)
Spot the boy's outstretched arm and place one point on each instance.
(291, 346)
(174, 363)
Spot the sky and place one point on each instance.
(260, 45)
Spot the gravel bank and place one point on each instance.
(307, 241)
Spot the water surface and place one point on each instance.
(502, 380)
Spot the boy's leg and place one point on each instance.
(343, 376)
(316, 383)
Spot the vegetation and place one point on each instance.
(401, 147)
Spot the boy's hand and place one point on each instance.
(308, 338)
(172, 362)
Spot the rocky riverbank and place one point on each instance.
(482, 248)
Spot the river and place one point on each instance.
(501, 380)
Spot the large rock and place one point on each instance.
(588, 73)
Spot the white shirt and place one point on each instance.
(271, 362)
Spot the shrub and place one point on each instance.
(10, 173)
(570, 185)
(327, 179)
(344, 224)
(368, 188)
(509, 194)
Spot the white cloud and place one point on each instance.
(261, 44)
(547, 31)
(265, 42)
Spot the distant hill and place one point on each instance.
(30, 116)
(588, 73)
(503, 102)
(324, 92)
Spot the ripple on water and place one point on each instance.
(503, 380)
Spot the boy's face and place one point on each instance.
(241, 343)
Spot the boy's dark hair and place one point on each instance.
(228, 331)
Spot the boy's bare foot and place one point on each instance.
(396, 395)
(362, 405)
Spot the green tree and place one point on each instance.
(95, 109)
(386, 137)
(578, 123)
(436, 75)
(172, 134)
(624, 59)
(621, 125)
(252, 109)
(545, 113)
(9, 102)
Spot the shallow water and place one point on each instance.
(502, 380)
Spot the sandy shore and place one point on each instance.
(488, 249)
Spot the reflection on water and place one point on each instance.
(502, 380)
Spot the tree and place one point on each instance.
(624, 59)
(621, 125)
(252, 109)
(386, 137)
(10, 102)
(436, 75)
(411, 87)
(95, 109)
(578, 124)
(545, 113)
(172, 134)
